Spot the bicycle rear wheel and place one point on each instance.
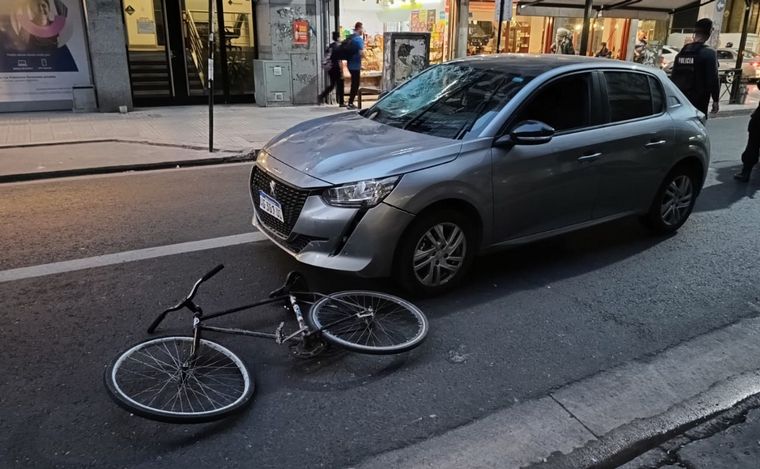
(156, 379)
(369, 322)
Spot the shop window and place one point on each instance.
(564, 104)
(629, 96)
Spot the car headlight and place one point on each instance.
(360, 194)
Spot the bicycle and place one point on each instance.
(190, 379)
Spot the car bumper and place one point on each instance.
(359, 241)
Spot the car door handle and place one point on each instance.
(656, 143)
(589, 157)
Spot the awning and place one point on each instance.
(635, 9)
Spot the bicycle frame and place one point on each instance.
(304, 335)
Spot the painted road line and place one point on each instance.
(127, 256)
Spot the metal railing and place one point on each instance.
(198, 51)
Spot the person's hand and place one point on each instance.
(715, 108)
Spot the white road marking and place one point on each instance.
(127, 256)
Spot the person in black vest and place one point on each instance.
(695, 69)
(332, 66)
(752, 150)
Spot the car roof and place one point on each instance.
(538, 64)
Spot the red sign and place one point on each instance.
(301, 32)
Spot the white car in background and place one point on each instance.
(667, 56)
(750, 63)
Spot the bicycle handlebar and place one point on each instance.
(188, 301)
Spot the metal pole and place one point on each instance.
(210, 78)
(736, 86)
(586, 26)
(501, 20)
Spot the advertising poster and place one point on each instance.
(301, 32)
(43, 52)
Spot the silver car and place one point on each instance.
(480, 153)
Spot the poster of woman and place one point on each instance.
(34, 34)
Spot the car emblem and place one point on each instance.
(272, 185)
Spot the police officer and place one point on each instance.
(752, 150)
(695, 69)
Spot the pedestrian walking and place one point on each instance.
(752, 150)
(355, 49)
(695, 69)
(564, 42)
(604, 52)
(331, 64)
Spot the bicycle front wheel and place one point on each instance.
(158, 379)
(369, 322)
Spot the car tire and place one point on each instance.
(434, 243)
(674, 201)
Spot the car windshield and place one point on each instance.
(449, 100)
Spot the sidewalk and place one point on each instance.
(648, 406)
(55, 144)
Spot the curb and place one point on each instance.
(239, 158)
(109, 140)
(626, 443)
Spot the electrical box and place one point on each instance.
(272, 80)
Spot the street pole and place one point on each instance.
(736, 86)
(210, 78)
(501, 19)
(586, 27)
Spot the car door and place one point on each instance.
(637, 143)
(540, 188)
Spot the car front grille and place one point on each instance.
(290, 198)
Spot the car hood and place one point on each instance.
(347, 147)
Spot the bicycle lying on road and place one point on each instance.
(190, 379)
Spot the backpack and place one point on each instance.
(327, 62)
(348, 48)
(684, 73)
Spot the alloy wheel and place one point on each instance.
(677, 200)
(439, 254)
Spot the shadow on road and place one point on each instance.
(727, 192)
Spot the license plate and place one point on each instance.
(270, 206)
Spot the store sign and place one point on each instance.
(43, 52)
(301, 32)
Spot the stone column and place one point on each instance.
(275, 29)
(463, 28)
(108, 51)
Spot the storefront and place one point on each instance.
(167, 48)
(436, 17)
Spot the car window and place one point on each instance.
(629, 96)
(658, 98)
(449, 100)
(563, 104)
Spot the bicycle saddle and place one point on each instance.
(293, 281)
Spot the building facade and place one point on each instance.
(59, 54)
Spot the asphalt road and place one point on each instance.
(529, 320)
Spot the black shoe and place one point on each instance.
(351, 106)
(342, 105)
(742, 176)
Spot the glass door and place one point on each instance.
(167, 42)
(147, 49)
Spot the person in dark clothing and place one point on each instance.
(604, 52)
(332, 61)
(355, 62)
(695, 69)
(752, 150)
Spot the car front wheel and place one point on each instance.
(674, 201)
(435, 252)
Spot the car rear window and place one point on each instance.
(630, 95)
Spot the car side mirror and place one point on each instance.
(527, 133)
